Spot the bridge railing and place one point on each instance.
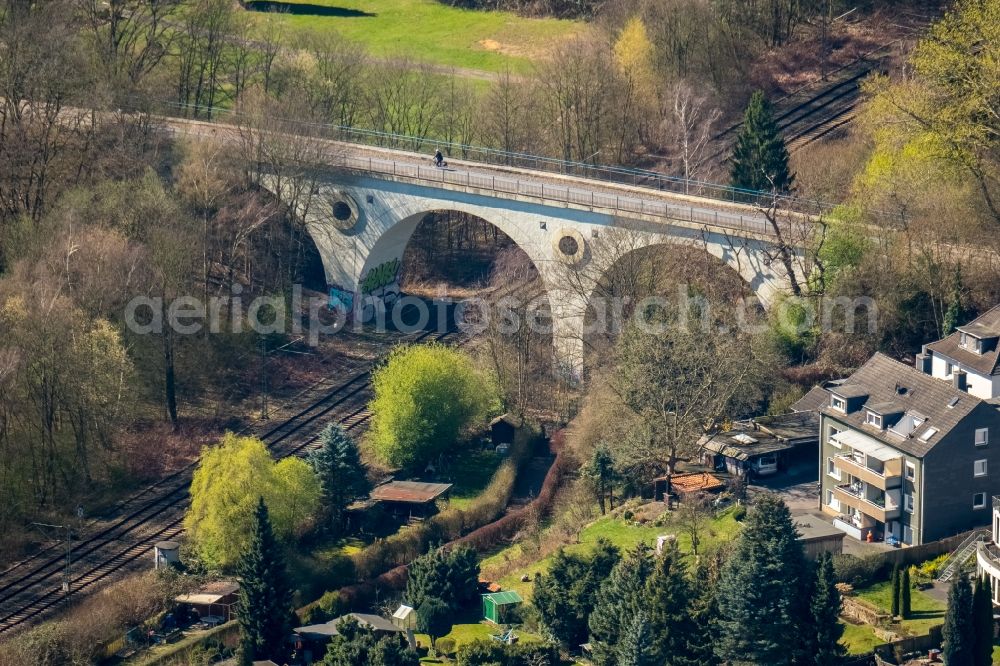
(511, 186)
(615, 174)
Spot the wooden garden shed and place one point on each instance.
(497, 604)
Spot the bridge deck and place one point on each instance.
(520, 183)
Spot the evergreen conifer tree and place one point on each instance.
(636, 645)
(955, 314)
(434, 618)
(566, 594)
(451, 576)
(700, 649)
(601, 473)
(760, 158)
(342, 476)
(959, 630)
(895, 590)
(668, 598)
(764, 591)
(265, 601)
(355, 645)
(427, 578)
(905, 608)
(982, 621)
(619, 600)
(825, 613)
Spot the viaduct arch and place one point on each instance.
(361, 224)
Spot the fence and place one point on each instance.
(918, 554)
(904, 646)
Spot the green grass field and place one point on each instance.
(433, 32)
(624, 535)
(472, 470)
(859, 638)
(927, 611)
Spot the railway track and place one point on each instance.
(807, 115)
(35, 586)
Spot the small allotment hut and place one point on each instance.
(410, 497)
(496, 605)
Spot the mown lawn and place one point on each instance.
(927, 611)
(471, 628)
(430, 31)
(623, 534)
(470, 472)
(859, 638)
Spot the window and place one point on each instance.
(832, 501)
(874, 419)
(979, 501)
(926, 436)
(907, 535)
(838, 403)
(980, 468)
(982, 436)
(833, 433)
(911, 471)
(948, 369)
(908, 503)
(831, 469)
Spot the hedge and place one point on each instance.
(484, 537)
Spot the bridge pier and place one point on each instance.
(361, 225)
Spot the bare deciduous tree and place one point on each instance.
(130, 38)
(687, 129)
(509, 114)
(519, 355)
(683, 379)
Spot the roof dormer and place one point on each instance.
(883, 415)
(977, 338)
(847, 398)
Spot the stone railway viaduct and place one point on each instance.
(366, 202)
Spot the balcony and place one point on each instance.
(988, 559)
(874, 508)
(891, 475)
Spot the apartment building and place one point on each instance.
(906, 456)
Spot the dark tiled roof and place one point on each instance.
(849, 390)
(886, 380)
(813, 401)
(886, 408)
(329, 629)
(986, 325)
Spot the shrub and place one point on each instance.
(858, 571)
(329, 606)
(445, 646)
(480, 539)
(425, 397)
(930, 569)
(482, 652)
